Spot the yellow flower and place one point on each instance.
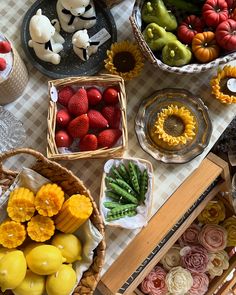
(124, 59)
(213, 213)
(168, 132)
(219, 89)
(230, 225)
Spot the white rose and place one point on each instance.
(172, 258)
(218, 262)
(179, 280)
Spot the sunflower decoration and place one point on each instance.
(175, 125)
(220, 85)
(124, 59)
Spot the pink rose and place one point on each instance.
(200, 284)
(213, 237)
(154, 283)
(190, 236)
(194, 258)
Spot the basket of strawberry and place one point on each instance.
(87, 118)
(185, 36)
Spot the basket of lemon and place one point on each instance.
(50, 231)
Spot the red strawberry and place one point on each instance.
(79, 126)
(78, 103)
(88, 143)
(3, 64)
(94, 96)
(110, 96)
(63, 139)
(96, 120)
(107, 138)
(113, 115)
(63, 118)
(5, 47)
(65, 94)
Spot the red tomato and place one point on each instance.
(214, 12)
(226, 34)
(189, 27)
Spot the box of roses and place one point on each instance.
(188, 240)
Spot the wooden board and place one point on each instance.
(144, 243)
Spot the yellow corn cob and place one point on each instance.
(40, 228)
(12, 234)
(75, 211)
(21, 204)
(49, 200)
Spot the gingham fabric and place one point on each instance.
(31, 109)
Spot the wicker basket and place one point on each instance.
(148, 166)
(71, 185)
(136, 23)
(100, 81)
(14, 85)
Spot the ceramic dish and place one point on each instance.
(70, 64)
(12, 132)
(147, 115)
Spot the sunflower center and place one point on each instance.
(124, 61)
(224, 87)
(174, 125)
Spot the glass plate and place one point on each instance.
(146, 117)
(70, 64)
(12, 132)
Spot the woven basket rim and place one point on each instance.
(100, 250)
(192, 68)
(101, 80)
(103, 186)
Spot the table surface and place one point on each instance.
(31, 108)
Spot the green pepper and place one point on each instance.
(154, 11)
(157, 37)
(176, 54)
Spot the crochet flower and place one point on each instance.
(200, 284)
(171, 258)
(194, 258)
(213, 213)
(213, 237)
(219, 87)
(154, 283)
(218, 262)
(190, 236)
(175, 125)
(230, 225)
(179, 280)
(124, 59)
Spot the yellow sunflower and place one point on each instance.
(219, 85)
(124, 59)
(175, 125)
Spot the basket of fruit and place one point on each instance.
(50, 230)
(87, 118)
(185, 37)
(126, 192)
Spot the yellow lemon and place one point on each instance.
(4, 251)
(32, 284)
(69, 245)
(30, 247)
(12, 270)
(44, 260)
(62, 282)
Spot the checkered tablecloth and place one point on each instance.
(31, 109)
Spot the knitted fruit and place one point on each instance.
(63, 118)
(63, 139)
(40, 228)
(65, 274)
(75, 211)
(96, 120)
(12, 270)
(21, 204)
(5, 47)
(3, 64)
(32, 284)
(88, 143)
(78, 103)
(44, 260)
(110, 96)
(69, 245)
(79, 126)
(108, 138)
(94, 96)
(49, 199)
(64, 95)
(12, 234)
